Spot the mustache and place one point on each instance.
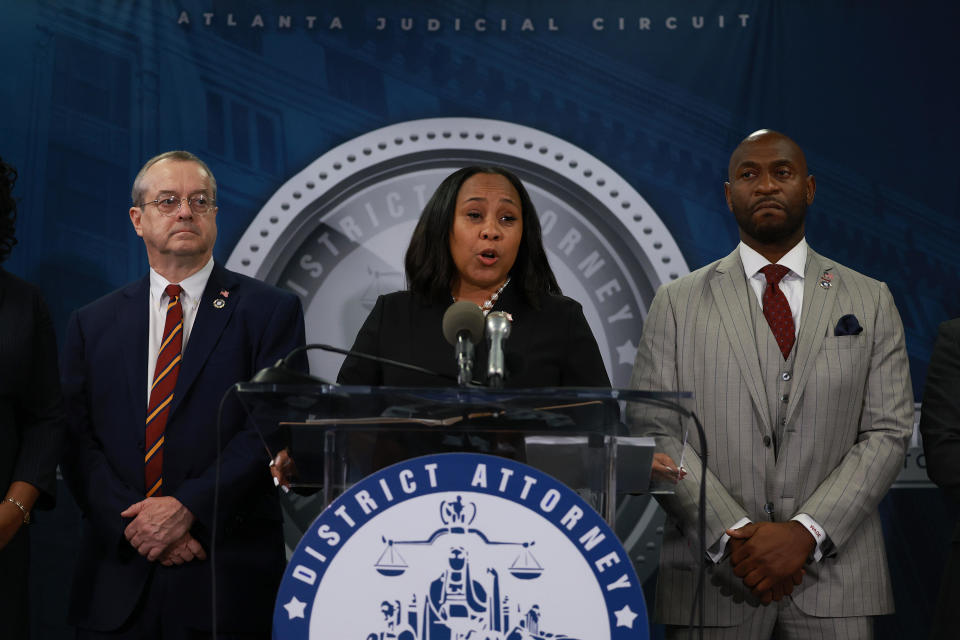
(767, 202)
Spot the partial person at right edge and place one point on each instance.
(31, 419)
(940, 428)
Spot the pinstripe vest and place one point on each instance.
(777, 383)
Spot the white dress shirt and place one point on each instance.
(192, 290)
(792, 283)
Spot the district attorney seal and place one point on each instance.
(458, 546)
(336, 232)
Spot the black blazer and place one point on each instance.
(31, 426)
(31, 411)
(940, 428)
(548, 347)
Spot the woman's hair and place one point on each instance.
(8, 210)
(429, 265)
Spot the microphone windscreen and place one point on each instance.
(463, 316)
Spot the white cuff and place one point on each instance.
(816, 531)
(716, 551)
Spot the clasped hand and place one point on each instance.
(160, 531)
(769, 557)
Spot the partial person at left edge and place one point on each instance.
(31, 418)
(144, 371)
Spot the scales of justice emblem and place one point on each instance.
(459, 546)
(465, 601)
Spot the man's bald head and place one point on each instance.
(769, 190)
(767, 136)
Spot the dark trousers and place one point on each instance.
(14, 608)
(946, 618)
(155, 619)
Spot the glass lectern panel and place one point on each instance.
(597, 441)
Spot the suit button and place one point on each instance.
(785, 376)
(768, 508)
(784, 398)
(766, 441)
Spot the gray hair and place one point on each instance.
(136, 194)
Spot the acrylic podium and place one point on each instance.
(338, 434)
(459, 560)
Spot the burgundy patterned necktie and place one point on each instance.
(776, 310)
(161, 391)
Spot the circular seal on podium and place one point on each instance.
(455, 546)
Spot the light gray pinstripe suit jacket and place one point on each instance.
(848, 419)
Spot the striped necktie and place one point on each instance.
(161, 391)
(776, 309)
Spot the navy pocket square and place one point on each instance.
(848, 325)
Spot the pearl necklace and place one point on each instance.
(487, 306)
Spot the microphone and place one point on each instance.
(283, 373)
(463, 328)
(498, 330)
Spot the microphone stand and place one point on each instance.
(281, 372)
(464, 359)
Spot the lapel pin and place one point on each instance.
(826, 280)
(221, 302)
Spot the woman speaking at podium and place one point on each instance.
(478, 239)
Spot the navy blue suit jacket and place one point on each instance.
(104, 383)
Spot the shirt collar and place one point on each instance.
(192, 286)
(795, 259)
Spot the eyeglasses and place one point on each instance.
(200, 204)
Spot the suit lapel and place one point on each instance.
(133, 316)
(211, 319)
(817, 309)
(733, 297)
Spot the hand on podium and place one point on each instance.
(665, 469)
(283, 469)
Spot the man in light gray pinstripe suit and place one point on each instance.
(807, 416)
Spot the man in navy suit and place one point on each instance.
(144, 371)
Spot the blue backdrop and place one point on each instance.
(659, 90)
